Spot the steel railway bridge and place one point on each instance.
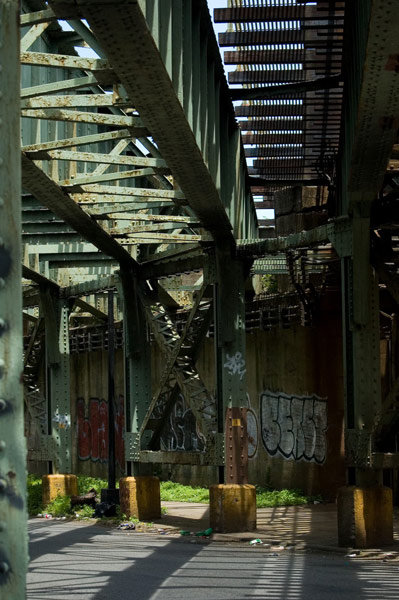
(135, 161)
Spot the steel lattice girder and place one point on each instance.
(123, 32)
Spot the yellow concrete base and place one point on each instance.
(365, 517)
(140, 497)
(58, 485)
(232, 507)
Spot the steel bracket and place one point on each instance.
(357, 448)
(47, 450)
(341, 236)
(132, 446)
(219, 449)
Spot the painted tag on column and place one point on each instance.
(294, 427)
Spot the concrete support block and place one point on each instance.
(140, 497)
(365, 517)
(232, 507)
(58, 485)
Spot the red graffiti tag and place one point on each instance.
(92, 430)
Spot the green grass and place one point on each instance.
(265, 497)
(176, 492)
(170, 491)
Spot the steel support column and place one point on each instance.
(56, 314)
(13, 539)
(137, 372)
(231, 365)
(361, 354)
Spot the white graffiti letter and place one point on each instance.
(235, 364)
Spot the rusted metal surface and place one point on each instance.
(135, 124)
(52, 196)
(236, 445)
(44, 59)
(125, 26)
(13, 509)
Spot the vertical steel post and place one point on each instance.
(13, 538)
(56, 314)
(111, 494)
(231, 363)
(361, 354)
(111, 392)
(137, 372)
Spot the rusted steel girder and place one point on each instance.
(123, 33)
(59, 202)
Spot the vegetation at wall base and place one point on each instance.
(170, 491)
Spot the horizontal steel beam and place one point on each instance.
(28, 273)
(263, 93)
(304, 239)
(87, 288)
(122, 31)
(95, 138)
(51, 195)
(176, 458)
(96, 157)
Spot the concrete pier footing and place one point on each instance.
(365, 516)
(140, 497)
(58, 485)
(232, 508)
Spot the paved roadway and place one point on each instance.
(89, 562)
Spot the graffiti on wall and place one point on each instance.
(294, 426)
(92, 430)
(252, 429)
(181, 432)
(235, 364)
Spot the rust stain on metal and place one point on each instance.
(392, 63)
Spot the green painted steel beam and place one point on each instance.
(32, 35)
(66, 84)
(134, 191)
(52, 196)
(371, 100)
(96, 138)
(73, 101)
(87, 288)
(123, 33)
(154, 218)
(64, 61)
(13, 509)
(134, 124)
(304, 239)
(186, 261)
(103, 209)
(40, 16)
(40, 279)
(263, 93)
(96, 157)
(92, 178)
(87, 307)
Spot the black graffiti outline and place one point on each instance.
(273, 427)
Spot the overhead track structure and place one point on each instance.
(287, 85)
